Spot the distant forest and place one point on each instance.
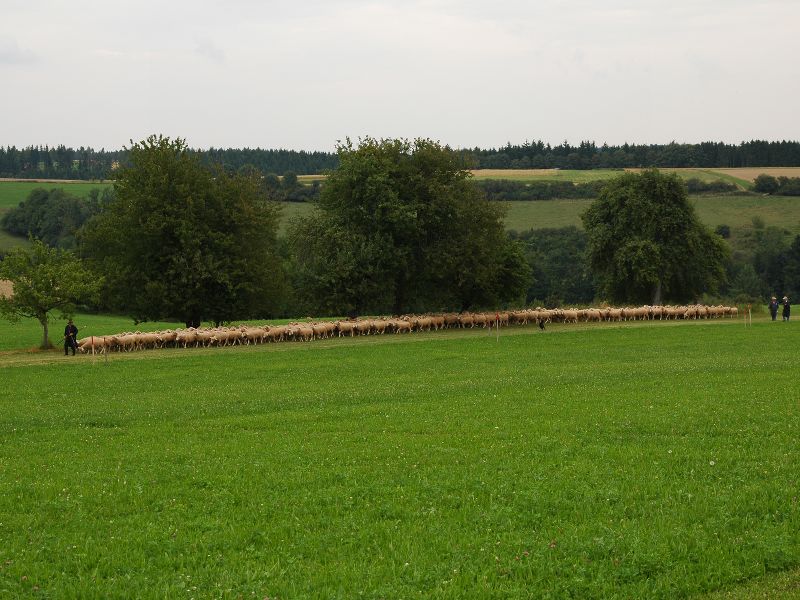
(43, 162)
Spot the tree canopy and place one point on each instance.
(398, 228)
(54, 216)
(45, 279)
(645, 242)
(182, 241)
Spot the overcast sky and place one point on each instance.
(303, 74)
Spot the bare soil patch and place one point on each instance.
(6, 288)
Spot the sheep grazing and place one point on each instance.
(306, 332)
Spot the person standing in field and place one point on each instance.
(773, 308)
(70, 338)
(787, 308)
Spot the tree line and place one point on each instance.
(61, 162)
(520, 191)
(588, 155)
(780, 186)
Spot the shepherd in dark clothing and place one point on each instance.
(70, 338)
(773, 308)
(787, 308)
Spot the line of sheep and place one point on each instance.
(252, 334)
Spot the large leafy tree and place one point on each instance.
(180, 240)
(44, 280)
(646, 244)
(399, 228)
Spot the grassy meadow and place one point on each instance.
(744, 179)
(611, 461)
(733, 210)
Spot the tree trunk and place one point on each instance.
(46, 340)
(657, 294)
(399, 295)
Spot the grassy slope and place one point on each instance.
(581, 462)
(13, 192)
(603, 174)
(735, 211)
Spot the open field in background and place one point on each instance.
(309, 179)
(611, 461)
(583, 176)
(14, 192)
(522, 216)
(732, 210)
(292, 210)
(738, 211)
(735, 211)
(8, 241)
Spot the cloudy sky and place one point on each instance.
(303, 74)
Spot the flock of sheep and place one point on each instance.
(306, 332)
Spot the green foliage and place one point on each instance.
(182, 241)
(698, 186)
(400, 228)
(781, 186)
(746, 285)
(617, 461)
(765, 184)
(45, 279)
(510, 190)
(557, 258)
(788, 186)
(54, 216)
(587, 155)
(289, 180)
(646, 242)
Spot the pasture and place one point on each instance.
(14, 192)
(610, 461)
(732, 210)
(742, 179)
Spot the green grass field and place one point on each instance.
(583, 176)
(735, 211)
(613, 461)
(14, 192)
